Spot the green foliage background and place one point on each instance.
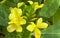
(50, 12)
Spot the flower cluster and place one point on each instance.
(16, 20)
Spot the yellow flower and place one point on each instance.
(15, 20)
(20, 4)
(36, 5)
(30, 2)
(35, 27)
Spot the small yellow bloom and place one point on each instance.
(20, 4)
(30, 2)
(35, 27)
(15, 20)
(37, 6)
(41, 5)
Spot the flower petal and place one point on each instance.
(31, 27)
(19, 12)
(36, 5)
(14, 21)
(19, 29)
(30, 2)
(22, 21)
(41, 5)
(11, 16)
(11, 28)
(37, 33)
(39, 21)
(43, 25)
(20, 4)
(15, 13)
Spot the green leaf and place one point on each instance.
(2, 21)
(49, 9)
(4, 11)
(56, 17)
(59, 2)
(38, 1)
(53, 31)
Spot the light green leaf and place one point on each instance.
(53, 31)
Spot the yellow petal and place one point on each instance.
(37, 33)
(14, 21)
(31, 27)
(30, 2)
(43, 25)
(39, 21)
(20, 4)
(35, 3)
(15, 13)
(11, 16)
(11, 28)
(19, 12)
(41, 5)
(18, 29)
(22, 21)
(36, 7)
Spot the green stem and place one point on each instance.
(25, 33)
(13, 35)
